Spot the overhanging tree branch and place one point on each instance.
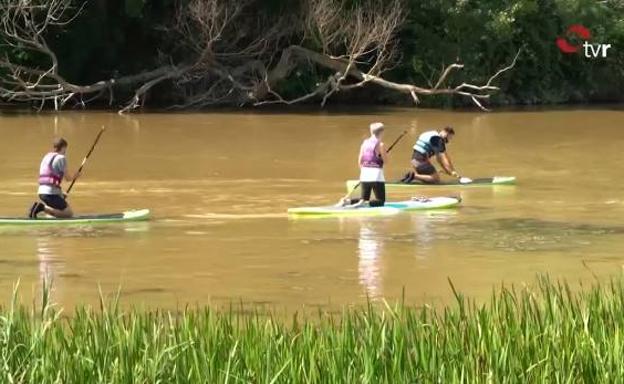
(225, 55)
(23, 24)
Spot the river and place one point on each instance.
(219, 184)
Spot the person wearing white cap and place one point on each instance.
(373, 156)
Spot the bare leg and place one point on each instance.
(357, 203)
(362, 201)
(351, 203)
(64, 214)
(428, 179)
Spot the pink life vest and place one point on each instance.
(369, 156)
(47, 175)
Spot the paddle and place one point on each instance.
(387, 151)
(84, 161)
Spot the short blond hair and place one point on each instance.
(376, 127)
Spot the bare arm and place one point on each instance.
(60, 166)
(383, 153)
(446, 163)
(69, 176)
(359, 163)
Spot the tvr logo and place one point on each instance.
(580, 32)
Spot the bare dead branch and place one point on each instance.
(359, 44)
(471, 91)
(230, 57)
(23, 24)
(505, 69)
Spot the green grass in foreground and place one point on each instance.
(543, 334)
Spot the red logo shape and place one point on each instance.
(577, 30)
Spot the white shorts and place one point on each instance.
(372, 174)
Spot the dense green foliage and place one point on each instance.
(532, 335)
(116, 37)
(484, 34)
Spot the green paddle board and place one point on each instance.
(480, 182)
(136, 215)
(390, 208)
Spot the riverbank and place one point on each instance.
(545, 332)
(506, 52)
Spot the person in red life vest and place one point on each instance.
(373, 156)
(52, 172)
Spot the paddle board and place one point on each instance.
(390, 208)
(480, 182)
(136, 215)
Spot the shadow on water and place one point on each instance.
(337, 109)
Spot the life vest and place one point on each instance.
(370, 158)
(423, 144)
(47, 174)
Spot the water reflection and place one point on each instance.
(424, 236)
(370, 248)
(381, 244)
(54, 257)
(46, 257)
(50, 264)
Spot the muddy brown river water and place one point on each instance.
(219, 184)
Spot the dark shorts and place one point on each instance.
(376, 187)
(54, 201)
(422, 165)
(424, 168)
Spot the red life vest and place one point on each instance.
(47, 174)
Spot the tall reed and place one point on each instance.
(545, 333)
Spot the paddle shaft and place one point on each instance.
(387, 151)
(84, 161)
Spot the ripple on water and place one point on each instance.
(530, 234)
(75, 231)
(235, 216)
(143, 291)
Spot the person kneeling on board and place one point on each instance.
(52, 171)
(429, 144)
(371, 160)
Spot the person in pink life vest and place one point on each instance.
(372, 158)
(52, 172)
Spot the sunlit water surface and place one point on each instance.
(219, 185)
